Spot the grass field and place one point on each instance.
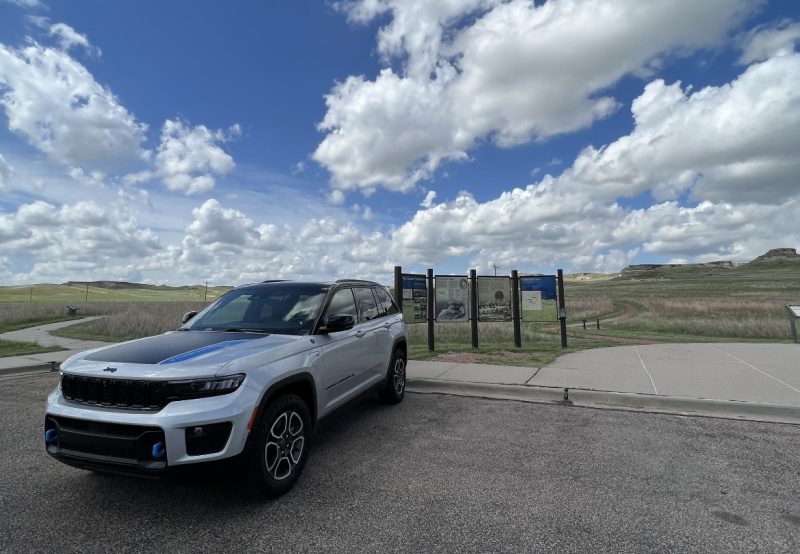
(76, 294)
(691, 304)
(683, 305)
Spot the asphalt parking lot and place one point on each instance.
(436, 473)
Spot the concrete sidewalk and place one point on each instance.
(746, 381)
(41, 335)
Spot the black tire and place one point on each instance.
(395, 388)
(276, 462)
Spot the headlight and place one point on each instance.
(198, 388)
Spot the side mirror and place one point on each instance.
(336, 323)
(187, 316)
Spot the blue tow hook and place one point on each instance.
(159, 450)
(51, 437)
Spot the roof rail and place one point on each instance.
(275, 281)
(357, 281)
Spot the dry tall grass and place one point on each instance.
(712, 317)
(588, 308)
(23, 312)
(131, 320)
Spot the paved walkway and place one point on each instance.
(744, 380)
(41, 335)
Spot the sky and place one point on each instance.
(189, 141)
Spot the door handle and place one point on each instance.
(360, 333)
(387, 325)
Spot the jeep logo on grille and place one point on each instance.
(110, 369)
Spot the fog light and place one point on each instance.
(159, 450)
(51, 437)
(207, 439)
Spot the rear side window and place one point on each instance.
(367, 307)
(343, 303)
(388, 305)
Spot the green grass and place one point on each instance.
(75, 294)
(87, 331)
(536, 354)
(15, 348)
(34, 322)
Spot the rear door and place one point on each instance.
(371, 324)
(389, 316)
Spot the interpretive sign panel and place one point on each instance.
(538, 298)
(494, 299)
(452, 298)
(415, 298)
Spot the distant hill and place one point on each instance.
(119, 285)
(775, 257)
(778, 255)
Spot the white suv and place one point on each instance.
(249, 376)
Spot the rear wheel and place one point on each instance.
(395, 388)
(281, 445)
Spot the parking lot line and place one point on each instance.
(644, 367)
(751, 366)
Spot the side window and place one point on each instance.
(389, 307)
(343, 303)
(367, 307)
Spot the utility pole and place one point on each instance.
(494, 265)
(87, 293)
(205, 296)
(31, 298)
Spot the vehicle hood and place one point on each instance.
(173, 355)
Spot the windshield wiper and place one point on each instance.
(245, 330)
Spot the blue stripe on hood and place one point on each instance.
(200, 351)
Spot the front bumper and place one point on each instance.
(118, 439)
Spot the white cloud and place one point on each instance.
(55, 103)
(518, 72)
(189, 158)
(83, 237)
(430, 197)
(68, 37)
(6, 171)
(732, 148)
(26, 3)
(765, 42)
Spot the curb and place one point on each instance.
(21, 370)
(634, 402)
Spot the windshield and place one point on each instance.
(285, 309)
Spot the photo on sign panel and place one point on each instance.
(494, 299)
(452, 298)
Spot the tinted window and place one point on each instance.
(343, 303)
(367, 307)
(386, 301)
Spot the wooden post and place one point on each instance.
(562, 309)
(473, 306)
(398, 287)
(431, 308)
(515, 308)
(87, 293)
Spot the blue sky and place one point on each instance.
(183, 141)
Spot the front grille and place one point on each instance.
(103, 442)
(115, 393)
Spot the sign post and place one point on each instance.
(562, 309)
(430, 310)
(515, 308)
(398, 287)
(473, 306)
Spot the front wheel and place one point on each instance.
(281, 445)
(395, 387)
